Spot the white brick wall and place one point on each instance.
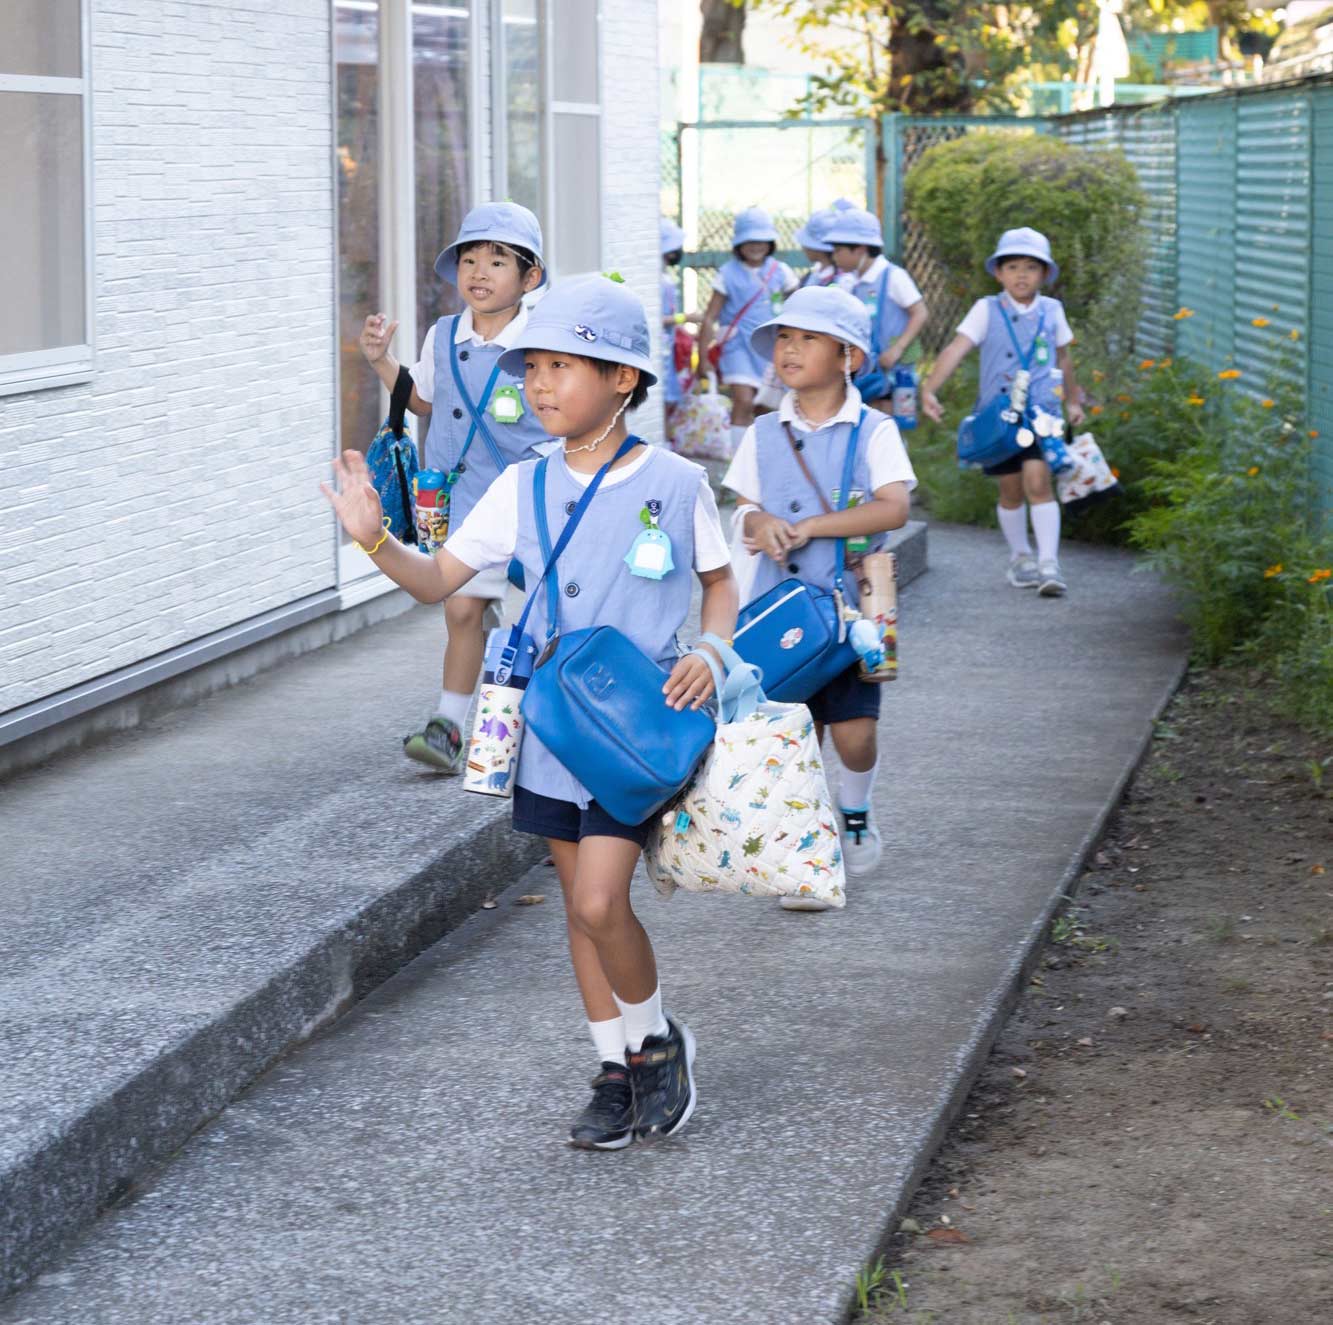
(193, 455)
(631, 166)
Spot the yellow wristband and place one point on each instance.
(370, 551)
(679, 319)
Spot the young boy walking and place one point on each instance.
(1020, 327)
(480, 423)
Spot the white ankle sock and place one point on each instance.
(1046, 526)
(855, 789)
(1014, 527)
(453, 706)
(608, 1038)
(643, 1019)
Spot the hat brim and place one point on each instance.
(1052, 267)
(565, 342)
(815, 243)
(764, 337)
(756, 237)
(446, 265)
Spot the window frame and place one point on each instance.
(64, 365)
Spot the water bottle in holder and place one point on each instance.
(497, 730)
(904, 397)
(430, 503)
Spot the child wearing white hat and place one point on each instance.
(1016, 329)
(480, 423)
(818, 251)
(749, 288)
(785, 475)
(585, 358)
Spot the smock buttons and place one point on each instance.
(793, 566)
(464, 354)
(458, 413)
(794, 507)
(800, 443)
(569, 507)
(571, 590)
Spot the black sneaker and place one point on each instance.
(607, 1120)
(663, 1075)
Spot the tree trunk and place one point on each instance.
(720, 36)
(914, 54)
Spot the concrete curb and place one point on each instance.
(84, 1163)
(974, 1054)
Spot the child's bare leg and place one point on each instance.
(599, 909)
(594, 987)
(742, 406)
(466, 647)
(1036, 481)
(854, 740)
(1011, 490)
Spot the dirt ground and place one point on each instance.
(1152, 1139)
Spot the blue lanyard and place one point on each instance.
(848, 466)
(544, 534)
(478, 423)
(1024, 360)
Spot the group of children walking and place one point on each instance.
(527, 392)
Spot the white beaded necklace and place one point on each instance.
(606, 432)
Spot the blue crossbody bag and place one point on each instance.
(796, 634)
(595, 698)
(990, 436)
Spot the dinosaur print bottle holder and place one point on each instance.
(497, 730)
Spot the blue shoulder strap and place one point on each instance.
(473, 409)
(544, 534)
(1024, 360)
(879, 313)
(848, 469)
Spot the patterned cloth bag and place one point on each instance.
(1089, 479)
(392, 461)
(756, 817)
(699, 424)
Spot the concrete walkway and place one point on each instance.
(408, 1166)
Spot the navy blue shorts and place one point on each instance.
(1015, 463)
(545, 816)
(846, 697)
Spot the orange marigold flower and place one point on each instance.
(1294, 334)
(1253, 470)
(1124, 399)
(1273, 570)
(1146, 364)
(1181, 314)
(1097, 375)
(1323, 574)
(1164, 363)
(1229, 374)
(1096, 409)
(1115, 473)
(1266, 404)
(1258, 322)
(1194, 400)
(1314, 432)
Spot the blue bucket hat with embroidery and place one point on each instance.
(753, 223)
(844, 205)
(593, 316)
(823, 308)
(672, 237)
(497, 222)
(1025, 242)
(855, 225)
(812, 234)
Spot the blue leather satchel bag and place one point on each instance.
(990, 435)
(795, 633)
(595, 699)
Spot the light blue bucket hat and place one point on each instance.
(812, 234)
(844, 205)
(672, 237)
(1025, 242)
(593, 316)
(856, 226)
(501, 223)
(823, 308)
(753, 223)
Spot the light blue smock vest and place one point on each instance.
(786, 492)
(999, 363)
(743, 282)
(887, 318)
(596, 586)
(450, 421)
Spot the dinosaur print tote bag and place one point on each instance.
(756, 818)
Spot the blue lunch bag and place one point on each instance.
(795, 633)
(990, 435)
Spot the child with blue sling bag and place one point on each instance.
(1021, 383)
(480, 423)
(608, 532)
(817, 482)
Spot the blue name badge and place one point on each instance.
(650, 555)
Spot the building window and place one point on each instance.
(45, 219)
(517, 118)
(574, 109)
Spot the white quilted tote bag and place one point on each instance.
(757, 817)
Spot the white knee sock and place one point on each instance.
(608, 1038)
(1014, 527)
(1046, 526)
(643, 1019)
(854, 792)
(453, 706)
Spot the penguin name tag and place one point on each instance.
(1043, 350)
(506, 405)
(650, 555)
